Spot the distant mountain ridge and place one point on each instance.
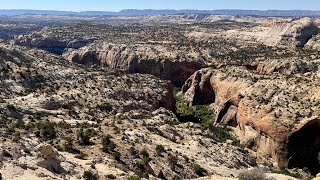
(137, 12)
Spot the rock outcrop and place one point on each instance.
(275, 115)
(46, 42)
(314, 42)
(51, 159)
(293, 34)
(286, 66)
(145, 59)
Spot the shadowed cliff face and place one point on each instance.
(304, 147)
(265, 109)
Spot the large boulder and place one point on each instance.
(51, 160)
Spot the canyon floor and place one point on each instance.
(159, 97)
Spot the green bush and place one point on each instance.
(159, 150)
(84, 136)
(182, 107)
(81, 155)
(116, 155)
(145, 156)
(206, 117)
(133, 178)
(221, 133)
(89, 175)
(173, 161)
(47, 130)
(111, 176)
(17, 136)
(161, 175)
(68, 146)
(107, 145)
(198, 170)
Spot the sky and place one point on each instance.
(116, 5)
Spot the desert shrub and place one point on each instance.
(68, 146)
(116, 156)
(205, 116)
(159, 150)
(145, 156)
(81, 155)
(17, 136)
(105, 107)
(253, 174)
(107, 145)
(110, 176)
(142, 169)
(134, 152)
(84, 136)
(198, 170)
(47, 130)
(221, 133)
(89, 175)
(161, 175)
(133, 178)
(173, 161)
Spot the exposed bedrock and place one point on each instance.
(48, 43)
(287, 67)
(144, 59)
(292, 34)
(276, 115)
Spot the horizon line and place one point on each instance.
(156, 10)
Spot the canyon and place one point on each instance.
(160, 97)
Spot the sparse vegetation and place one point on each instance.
(47, 130)
(89, 175)
(159, 150)
(108, 146)
(145, 156)
(253, 174)
(84, 136)
(197, 169)
(133, 178)
(205, 116)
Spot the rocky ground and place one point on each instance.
(205, 97)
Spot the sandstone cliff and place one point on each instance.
(157, 60)
(294, 33)
(270, 112)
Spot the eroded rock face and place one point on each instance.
(145, 59)
(313, 43)
(287, 66)
(266, 110)
(292, 33)
(49, 43)
(51, 159)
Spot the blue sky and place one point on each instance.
(115, 5)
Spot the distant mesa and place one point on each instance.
(138, 12)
